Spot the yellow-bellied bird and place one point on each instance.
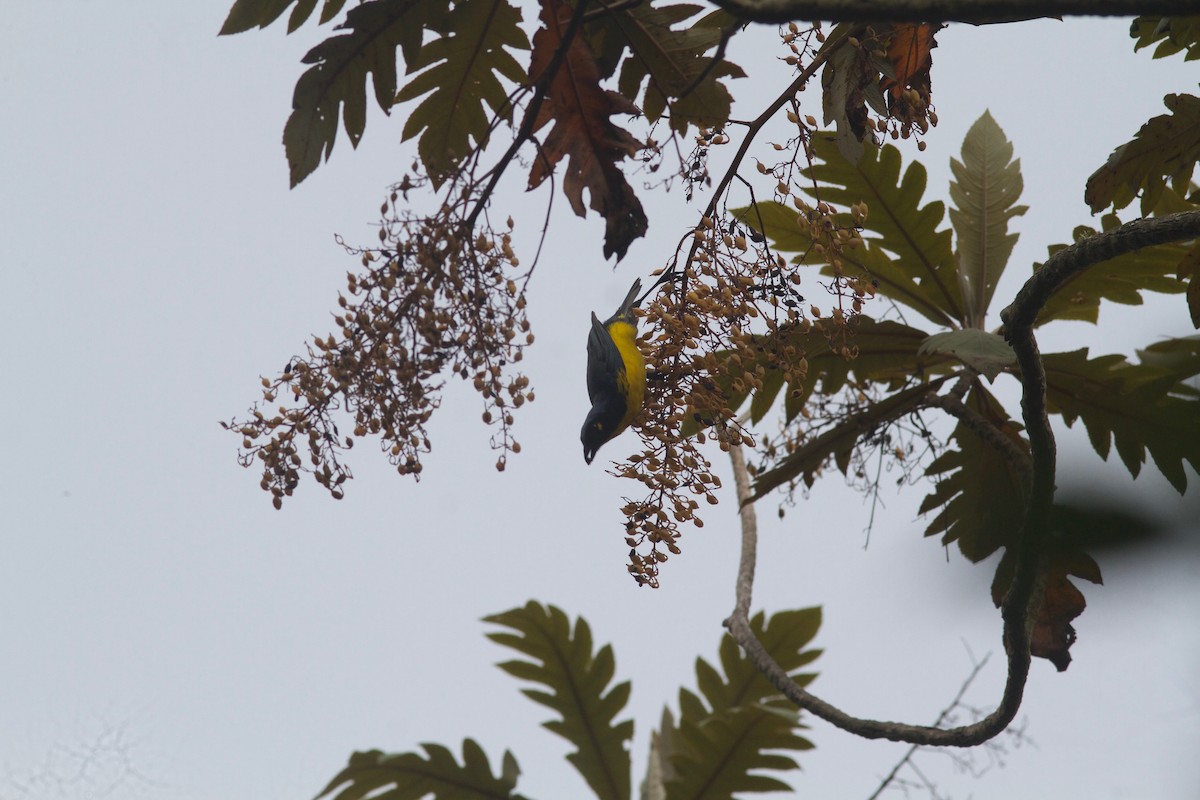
(616, 375)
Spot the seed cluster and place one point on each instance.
(719, 330)
(427, 304)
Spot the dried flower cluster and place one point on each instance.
(429, 303)
(721, 326)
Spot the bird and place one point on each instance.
(616, 375)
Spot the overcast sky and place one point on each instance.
(167, 634)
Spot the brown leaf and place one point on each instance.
(584, 132)
(910, 53)
(1062, 602)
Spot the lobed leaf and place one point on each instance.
(982, 495)
(463, 67)
(986, 186)
(337, 79)
(584, 132)
(247, 14)
(1118, 280)
(412, 776)
(923, 273)
(1173, 35)
(740, 726)
(1167, 146)
(669, 60)
(580, 691)
(1138, 407)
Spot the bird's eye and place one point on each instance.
(599, 426)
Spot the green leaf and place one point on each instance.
(923, 273)
(809, 458)
(247, 14)
(1118, 280)
(739, 724)
(987, 184)
(579, 683)
(463, 67)
(337, 79)
(850, 82)
(671, 58)
(883, 352)
(1138, 407)
(986, 353)
(412, 776)
(981, 497)
(1180, 357)
(1173, 35)
(1167, 146)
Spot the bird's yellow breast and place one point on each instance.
(633, 383)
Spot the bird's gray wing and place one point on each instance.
(604, 362)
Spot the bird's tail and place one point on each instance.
(631, 299)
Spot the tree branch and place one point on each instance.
(1021, 603)
(975, 12)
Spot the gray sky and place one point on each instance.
(169, 635)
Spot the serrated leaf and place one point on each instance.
(981, 496)
(985, 352)
(463, 68)
(412, 776)
(1173, 35)
(1118, 280)
(1180, 357)
(580, 691)
(923, 273)
(724, 742)
(1137, 407)
(668, 60)
(1167, 146)
(337, 79)
(838, 442)
(584, 131)
(986, 186)
(247, 14)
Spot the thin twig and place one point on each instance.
(962, 690)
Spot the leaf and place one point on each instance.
(1118, 280)
(583, 131)
(884, 352)
(1189, 269)
(672, 59)
(464, 69)
(985, 189)
(1138, 407)
(247, 14)
(739, 724)
(580, 691)
(1167, 146)
(850, 80)
(1173, 34)
(338, 76)
(1062, 602)
(924, 274)
(984, 352)
(909, 52)
(981, 497)
(412, 776)
(806, 462)
(1180, 357)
